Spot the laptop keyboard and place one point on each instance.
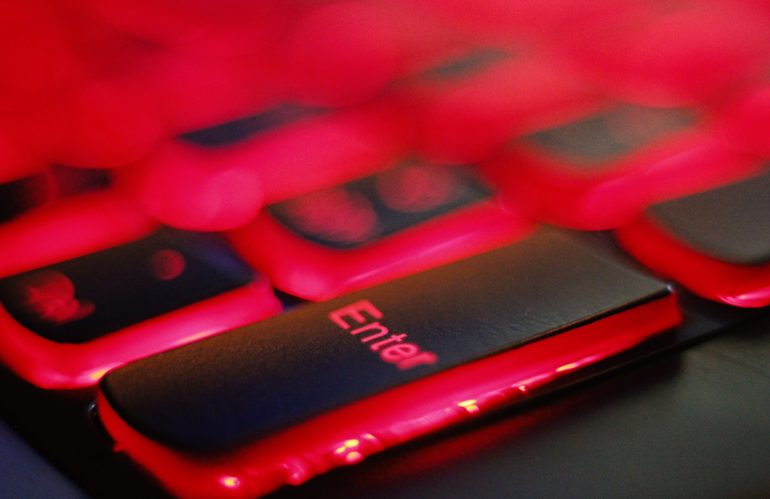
(260, 241)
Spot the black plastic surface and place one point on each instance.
(232, 389)
(87, 297)
(731, 223)
(366, 210)
(597, 140)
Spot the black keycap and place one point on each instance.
(597, 140)
(227, 391)
(366, 210)
(731, 223)
(82, 299)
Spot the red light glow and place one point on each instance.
(360, 429)
(741, 286)
(53, 365)
(618, 192)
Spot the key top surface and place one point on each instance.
(221, 393)
(411, 217)
(731, 223)
(594, 141)
(77, 301)
(374, 207)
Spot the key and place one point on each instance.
(406, 219)
(346, 53)
(207, 188)
(471, 105)
(715, 243)
(601, 168)
(68, 229)
(330, 383)
(64, 325)
(673, 54)
(33, 191)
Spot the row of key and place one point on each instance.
(404, 165)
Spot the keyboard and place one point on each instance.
(258, 248)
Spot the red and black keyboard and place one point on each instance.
(256, 241)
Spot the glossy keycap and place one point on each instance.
(470, 104)
(291, 150)
(331, 383)
(601, 167)
(408, 218)
(65, 324)
(716, 243)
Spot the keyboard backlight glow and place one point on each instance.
(357, 430)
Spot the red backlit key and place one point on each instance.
(470, 106)
(88, 284)
(198, 187)
(600, 169)
(400, 221)
(343, 53)
(328, 384)
(673, 53)
(716, 243)
(23, 194)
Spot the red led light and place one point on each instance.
(355, 431)
(741, 286)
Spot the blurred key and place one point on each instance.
(673, 53)
(716, 243)
(329, 384)
(400, 221)
(347, 52)
(32, 191)
(69, 228)
(201, 187)
(602, 167)
(469, 106)
(65, 324)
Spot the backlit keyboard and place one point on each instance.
(245, 243)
